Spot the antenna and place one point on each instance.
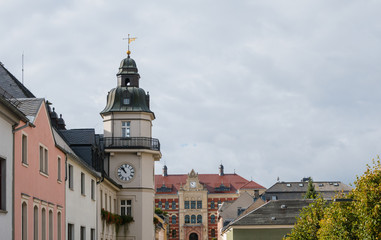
(22, 68)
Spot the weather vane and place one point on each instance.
(130, 39)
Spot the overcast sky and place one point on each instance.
(269, 89)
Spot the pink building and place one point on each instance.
(39, 176)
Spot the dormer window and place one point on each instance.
(126, 101)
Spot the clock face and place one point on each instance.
(192, 184)
(126, 172)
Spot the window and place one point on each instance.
(109, 201)
(173, 205)
(71, 177)
(126, 101)
(212, 205)
(92, 234)
(35, 223)
(2, 184)
(186, 204)
(70, 231)
(59, 169)
(126, 129)
(193, 219)
(105, 201)
(125, 207)
(59, 226)
(166, 205)
(24, 149)
(199, 219)
(219, 203)
(83, 184)
(82, 236)
(273, 197)
(43, 160)
(199, 204)
(92, 189)
(24, 222)
(212, 219)
(174, 219)
(173, 233)
(193, 204)
(50, 225)
(187, 219)
(101, 195)
(160, 205)
(43, 224)
(213, 233)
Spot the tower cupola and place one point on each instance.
(128, 73)
(221, 168)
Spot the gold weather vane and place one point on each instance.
(130, 39)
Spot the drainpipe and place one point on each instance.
(14, 130)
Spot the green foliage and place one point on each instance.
(308, 222)
(159, 211)
(116, 219)
(311, 192)
(357, 218)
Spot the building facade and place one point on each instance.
(192, 200)
(39, 171)
(10, 118)
(130, 151)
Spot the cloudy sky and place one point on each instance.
(269, 89)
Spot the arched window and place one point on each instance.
(174, 219)
(35, 223)
(212, 219)
(212, 205)
(24, 222)
(50, 225)
(43, 224)
(173, 233)
(193, 219)
(199, 219)
(59, 225)
(213, 233)
(186, 218)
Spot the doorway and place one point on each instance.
(193, 236)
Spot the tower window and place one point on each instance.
(126, 101)
(126, 129)
(126, 207)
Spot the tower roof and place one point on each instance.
(127, 66)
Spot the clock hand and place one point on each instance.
(124, 170)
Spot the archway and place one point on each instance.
(193, 236)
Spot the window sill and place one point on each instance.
(25, 164)
(3, 211)
(83, 195)
(44, 174)
(70, 188)
(59, 181)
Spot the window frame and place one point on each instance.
(44, 159)
(3, 184)
(24, 149)
(126, 129)
(127, 206)
(71, 176)
(83, 184)
(59, 177)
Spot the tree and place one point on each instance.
(311, 192)
(308, 223)
(357, 216)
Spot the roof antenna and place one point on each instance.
(22, 68)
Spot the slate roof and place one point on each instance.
(30, 107)
(11, 107)
(65, 147)
(333, 186)
(211, 181)
(84, 136)
(13, 86)
(276, 212)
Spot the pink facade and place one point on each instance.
(39, 185)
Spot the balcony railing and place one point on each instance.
(132, 143)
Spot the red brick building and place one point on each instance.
(192, 200)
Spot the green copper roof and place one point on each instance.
(127, 99)
(127, 66)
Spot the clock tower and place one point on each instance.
(130, 150)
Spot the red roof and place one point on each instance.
(214, 183)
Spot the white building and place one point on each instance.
(10, 117)
(81, 195)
